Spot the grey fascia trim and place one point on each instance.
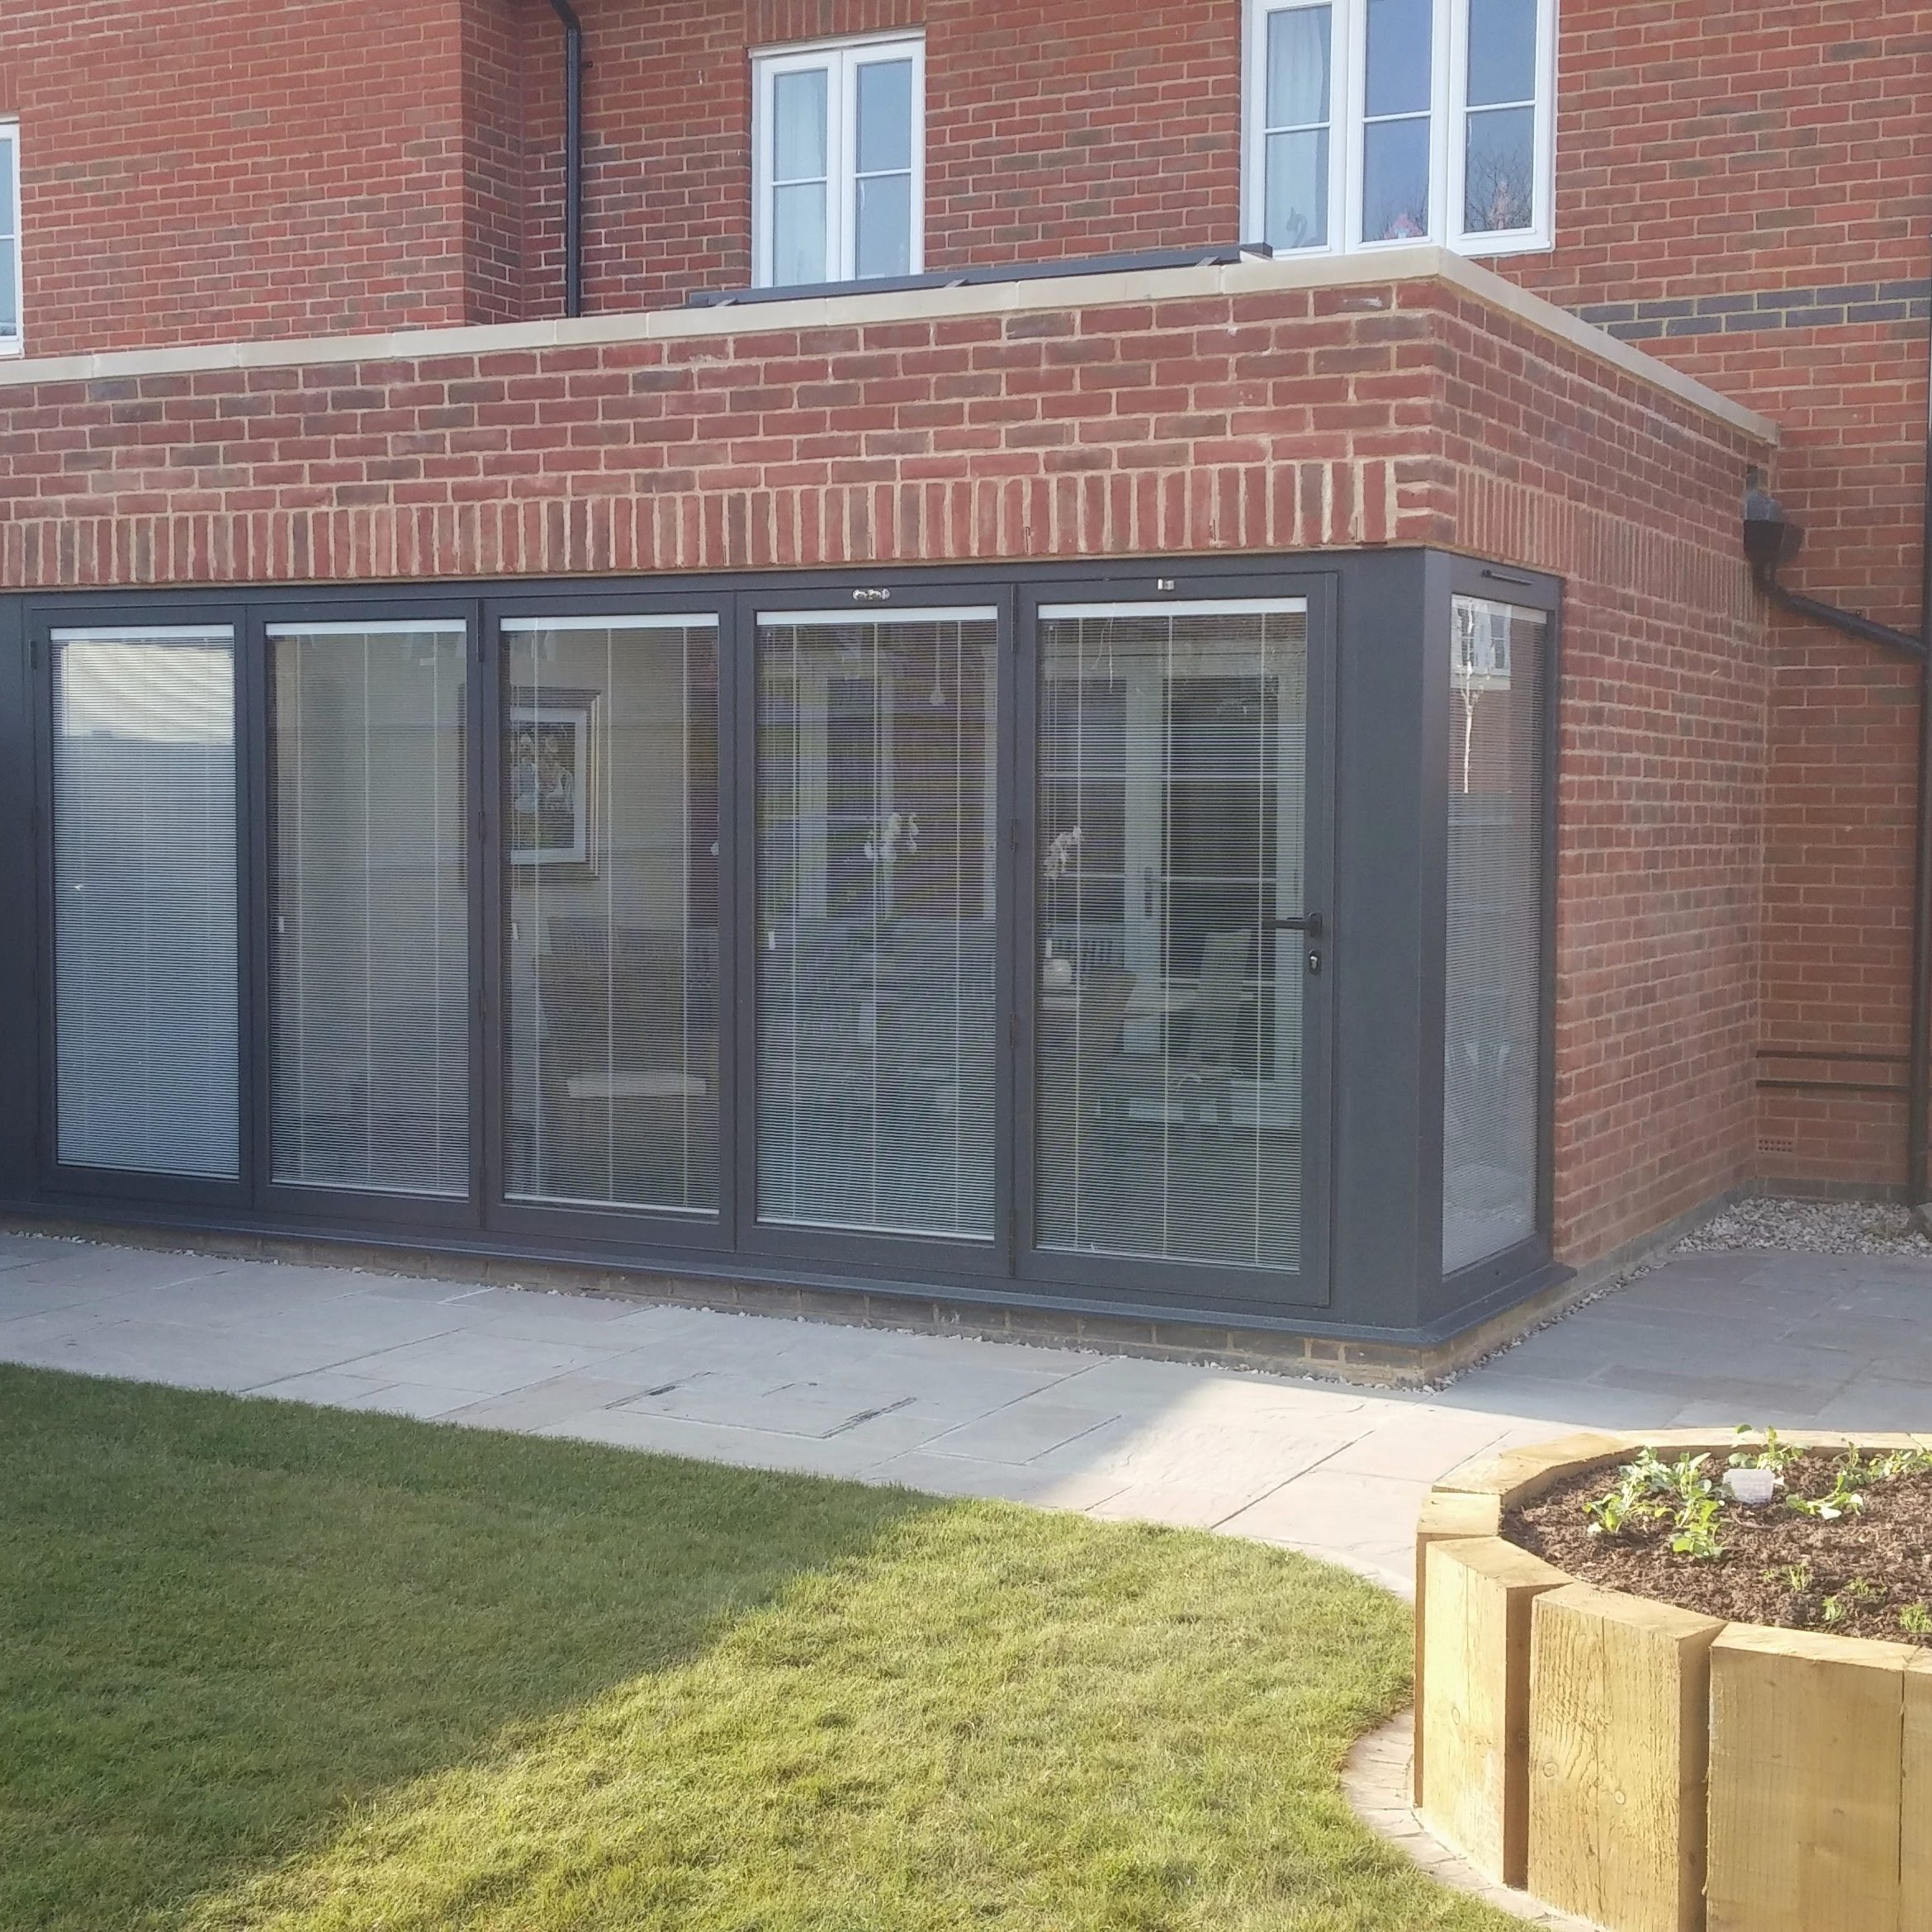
(1424, 262)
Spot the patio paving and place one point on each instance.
(1823, 1341)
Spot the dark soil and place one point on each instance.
(1779, 1566)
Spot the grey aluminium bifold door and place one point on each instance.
(145, 900)
(369, 1047)
(877, 1030)
(609, 909)
(1175, 946)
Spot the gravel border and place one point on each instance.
(1810, 1227)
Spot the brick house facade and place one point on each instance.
(289, 288)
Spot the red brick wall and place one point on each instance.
(276, 171)
(1073, 130)
(490, 56)
(1721, 151)
(1272, 420)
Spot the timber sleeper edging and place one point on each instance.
(1648, 1768)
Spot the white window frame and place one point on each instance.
(1448, 130)
(15, 344)
(840, 61)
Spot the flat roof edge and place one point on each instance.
(1412, 262)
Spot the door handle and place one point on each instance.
(1309, 922)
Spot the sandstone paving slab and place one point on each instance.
(746, 1448)
(324, 1388)
(1879, 1402)
(68, 1319)
(184, 1357)
(1336, 1509)
(1334, 1471)
(425, 1401)
(483, 1365)
(952, 1475)
(555, 1399)
(1021, 1431)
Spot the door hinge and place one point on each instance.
(1013, 834)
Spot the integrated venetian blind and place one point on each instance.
(610, 855)
(369, 908)
(876, 1033)
(145, 938)
(1492, 1024)
(1172, 796)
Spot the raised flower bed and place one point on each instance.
(1661, 1766)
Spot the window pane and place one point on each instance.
(1395, 180)
(1493, 1036)
(1297, 215)
(876, 907)
(370, 980)
(1168, 1111)
(1297, 67)
(610, 817)
(798, 125)
(1399, 56)
(1500, 171)
(9, 246)
(885, 225)
(798, 235)
(1501, 51)
(885, 116)
(145, 936)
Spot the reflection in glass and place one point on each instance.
(144, 900)
(885, 116)
(1502, 52)
(876, 1034)
(1500, 171)
(884, 241)
(1499, 132)
(1399, 54)
(883, 186)
(798, 237)
(1296, 195)
(1492, 1034)
(1395, 180)
(9, 239)
(800, 173)
(610, 947)
(1172, 802)
(1395, 137)
(798, 125)
(369, 926)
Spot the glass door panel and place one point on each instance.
(145, 900)
(877, 1028)
(1168, 1026)
(610, 904)
(369, 1048)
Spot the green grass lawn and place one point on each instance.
(264, 1666)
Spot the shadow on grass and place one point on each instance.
(290, 1670)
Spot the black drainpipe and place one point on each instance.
(1771, 540)
(1918, 1183)
(573, 156)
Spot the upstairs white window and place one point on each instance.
(9, 237)
(1377, 122)
(838, 132)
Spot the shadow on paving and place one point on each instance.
(277, 1667)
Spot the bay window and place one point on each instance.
(838, 132)
(1376, 122)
